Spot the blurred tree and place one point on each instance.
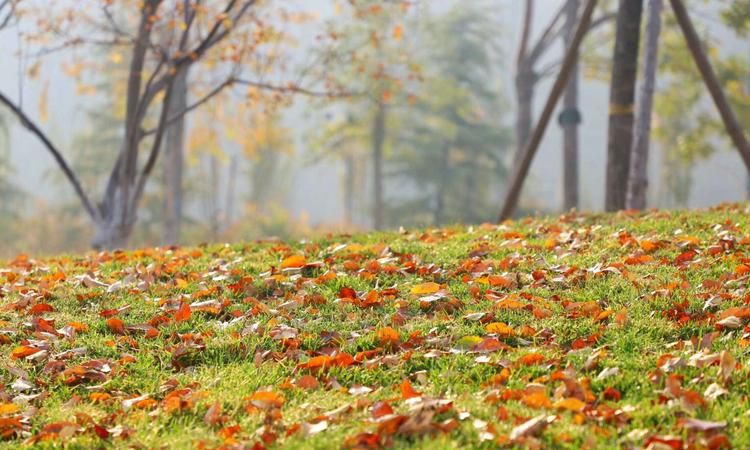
(530, 71)
(638, 176)
(451, 148)
(686, 124)
(371, 60)
(164, 38)
(621, 102)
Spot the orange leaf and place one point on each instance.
(294, 261)
(571, 404)
(425, 288)
(116, 325)
(407, 390)
(307, 382)
(99, 396)
(41, 308)
(499, 328)
(398, 32)
(499, 281)
(388, 337)
(183, 314)
(8, 408)
(266, 400)
(79, 326)
(24, 351)
(537, 399)
(531, 359)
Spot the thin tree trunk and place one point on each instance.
(570, 118)
(440, 193)
(522, 168)
(638, 181)
(348, 189)
(378, 140)
(231, 193)
(622, 97)
(214, 208)
(525, 83)
(173, 162)
(731, 124)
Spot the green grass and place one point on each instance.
(573, 293)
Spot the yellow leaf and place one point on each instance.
(468, 342)
(425, 288)
(571, 404)
(499, 328)
(8, 408)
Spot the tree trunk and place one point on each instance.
(348, 190)
(570, 117)
(231, 192)
(525, 83)
(440, 193)
(173, 162)
(638, 181)
(378, 140)
(622, 96)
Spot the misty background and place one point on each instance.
(309, 188)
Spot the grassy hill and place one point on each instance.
(607, 331)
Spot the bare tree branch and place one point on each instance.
(36, 131)
(526, 32)
(177, 116)
(295, 89)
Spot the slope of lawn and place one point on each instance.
(580, 331)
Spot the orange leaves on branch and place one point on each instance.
(398, 32)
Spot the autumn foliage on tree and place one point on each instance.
(223, 43)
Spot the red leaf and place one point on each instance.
(380, 409)
(41, 308)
